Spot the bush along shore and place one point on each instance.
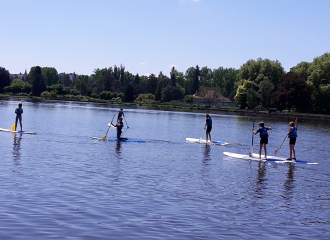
(176, 105)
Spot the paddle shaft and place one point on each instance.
(109, 127)
(125, 121)
(281, 144)
(254, 117)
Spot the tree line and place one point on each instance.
(260, 83)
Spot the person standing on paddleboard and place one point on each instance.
(120, 113)
(19, 112)
(119, 127)
(263, 137)
(292, 134)
(208, 126)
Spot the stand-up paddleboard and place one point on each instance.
(198, 140)
(255, 157)
(9, 130)
(120, 140)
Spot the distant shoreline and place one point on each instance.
(182, 106)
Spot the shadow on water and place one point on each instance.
(16, 147)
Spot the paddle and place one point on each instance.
(280, 145)
(105, 137)
(254, 116)
(200, 140)
(125, 121)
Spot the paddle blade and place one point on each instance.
(276, 152)
(104, 138)
(13, 127)
(251, 152)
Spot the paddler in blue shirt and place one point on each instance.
(120, 113)
(263, 137)
(119, 127)
(292, 134)
(208, 126)
(19, 112)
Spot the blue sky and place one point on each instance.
(149, 36)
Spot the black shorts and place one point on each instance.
(264, 140)
(293, 141)
(209, 128)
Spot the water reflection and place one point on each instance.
(207, 156)
(118, 148)
(289, 182)
(261, 183)
(16, 147)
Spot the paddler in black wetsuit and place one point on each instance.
(119, 127)
(19, 112)
(208, 126)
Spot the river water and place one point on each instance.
(63, 184)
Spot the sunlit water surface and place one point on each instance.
(63, 184)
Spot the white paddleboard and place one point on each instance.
(198, 140)
(9, 130)
(255, 157)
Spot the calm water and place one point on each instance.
(63, 184)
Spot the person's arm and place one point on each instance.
(269, 128)
(254, 131)
(296, 121)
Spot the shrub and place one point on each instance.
(53, 93)
(45, 94)
(107, 95)
(18, 86)
(94, 95)
(145, 97)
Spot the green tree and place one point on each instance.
(302, 69)
(246, 95)
(81, 84)
(4, 79)
(225, 79)
(206, 77)
(51, 75)
(266, 89)
(257, 71)
(98, 77)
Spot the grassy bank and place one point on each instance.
(177, 105)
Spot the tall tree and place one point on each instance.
(129, 93)
(196, 80)
(37, 81)
(4, 79)
(152, 84)
(51, 74)
(108, 81)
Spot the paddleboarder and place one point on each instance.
(19, 112)
(119, 127)
(120, 113)
(263, 137)
(208, 126)
(292, 135)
